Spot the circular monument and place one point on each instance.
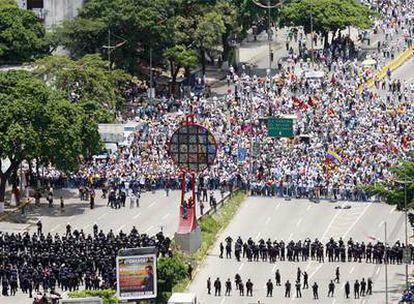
(193, 148)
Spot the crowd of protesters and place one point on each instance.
(346, 134)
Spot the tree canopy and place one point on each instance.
(327, 15)
(37, 122)
(22, 35)
(393, 190)
(135, 27)
(86, 81)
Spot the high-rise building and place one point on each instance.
(52, 12)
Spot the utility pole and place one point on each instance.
(269, 36)
(269, 6)
(111, 48)
(405, 182)
(406, 232)
(385, 263)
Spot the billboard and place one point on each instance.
(136, 277)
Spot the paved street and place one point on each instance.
(156, 210)
(262, 217)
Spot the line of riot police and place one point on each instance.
(332, 251)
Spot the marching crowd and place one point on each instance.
(346, 135)
(334, 251)
(41, 263)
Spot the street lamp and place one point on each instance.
(269, 6)
(405, 182)
(111, 47)
(385, 263)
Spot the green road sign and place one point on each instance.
(280, 127)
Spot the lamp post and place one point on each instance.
(111, 47)
(269, 6)
(385, 263)
(405, 182)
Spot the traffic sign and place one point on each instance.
(280, 127)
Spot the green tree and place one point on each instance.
(207, 34)
(327, 15)
(196, 25)
(22, 35)
(86, 81)
(37, 122)
(394, 190)
(135, 24)
(179, 57)
(171, 271)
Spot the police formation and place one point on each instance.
(41, 263)
(360, 288)
(333, 251)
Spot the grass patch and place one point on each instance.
(107, 295)
(211, 225)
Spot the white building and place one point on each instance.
(52, 12)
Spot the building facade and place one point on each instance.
(52, 12)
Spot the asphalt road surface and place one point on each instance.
(262, 217)
(156, 211)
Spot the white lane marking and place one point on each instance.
(310, 206)
(378, 270)
(267, 221)
(137, 215)
(152, 204)
(333, 301)
(222, 300)
(258, 235)
(56, 227)
(316, 270)
(299, 221)
(241, 266)
(274, 268)
(380, 224)
(277, 206)
(330, 225)
(393, 209)
(165, 216)
(290, 236)
(352, 270)
(357, 220)
(102, 216)
(148, 229)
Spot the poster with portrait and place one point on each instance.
(136, 277)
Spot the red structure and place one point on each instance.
(188, 217)
(193, 149)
